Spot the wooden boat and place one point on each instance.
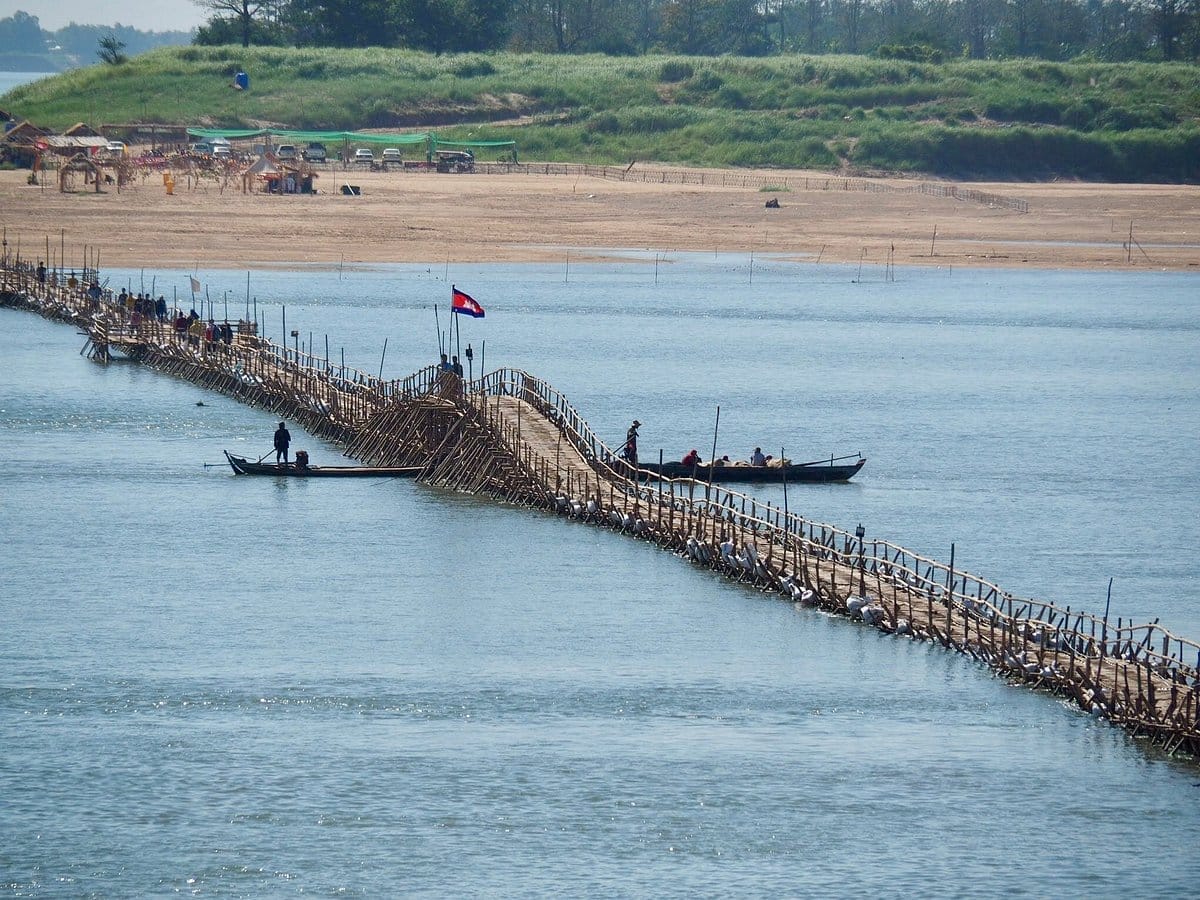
(242, 466)
(826, 470)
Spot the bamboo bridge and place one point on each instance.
(512, 436)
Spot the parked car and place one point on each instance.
(116, 148)
(363, 155)
(315, 152)
(201, 148)
(455, 161)
(223, 151)
(392, 155)
(286, 151)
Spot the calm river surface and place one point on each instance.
(251, 687)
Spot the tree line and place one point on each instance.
(923, 30)
(76, 44)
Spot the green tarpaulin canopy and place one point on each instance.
(324, 137)
(431, 141)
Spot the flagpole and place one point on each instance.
(438, 323)
(712, 460)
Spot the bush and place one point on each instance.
(674, 70)
(706, 82)
(731, 97)
(1025, 109)
(1121, 118)
(912, 52)
(474, 67)
(603, 123)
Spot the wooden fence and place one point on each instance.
(751, 181)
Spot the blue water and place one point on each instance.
(10, 80)
(249, 687)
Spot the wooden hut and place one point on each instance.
(21, 143)
(80, 164)
(262, 168)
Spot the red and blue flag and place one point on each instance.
(464, 303)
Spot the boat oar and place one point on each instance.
(265, 455)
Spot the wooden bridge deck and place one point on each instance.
(512, 436)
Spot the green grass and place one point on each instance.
(1017, 119)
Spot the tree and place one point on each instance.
(242, 11)
(111, 50)
(455, 25)
(21, 32)
(1170, 24)
(341, 23)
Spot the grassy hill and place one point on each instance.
(1016, 120)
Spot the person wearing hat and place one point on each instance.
(283, 440)
(630, 450)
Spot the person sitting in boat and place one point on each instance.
(758, 459)
(692, 458)
(719, 463)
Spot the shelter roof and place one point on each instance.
(80, 162)
(262, 166)
(73, 142)
(82, 129)
(24, 133)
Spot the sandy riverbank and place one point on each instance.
(425, 217)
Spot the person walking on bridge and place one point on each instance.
(629, 451)
(283, 440)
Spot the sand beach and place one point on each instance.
(424, 216)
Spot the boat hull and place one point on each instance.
(243, 466)
(812, 473)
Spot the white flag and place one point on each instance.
(195, 284)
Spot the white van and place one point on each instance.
(286, 151)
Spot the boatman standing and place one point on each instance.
(282, 441)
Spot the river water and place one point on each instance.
(10, 80)
(232, 686)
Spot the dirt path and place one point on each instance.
(425, 217)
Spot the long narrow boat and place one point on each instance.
(242, 466)
(812, 472)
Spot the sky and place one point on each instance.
(145, 15)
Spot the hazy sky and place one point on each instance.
(146, 15)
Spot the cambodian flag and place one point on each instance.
(464, 303)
